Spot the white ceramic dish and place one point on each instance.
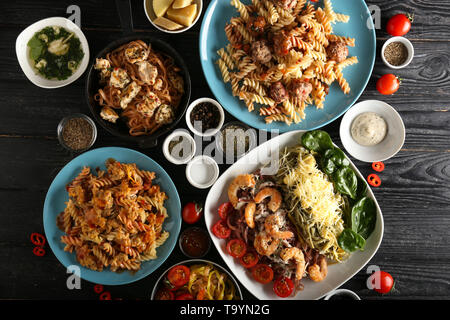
(350, 293)
(22, 52)
(148, 8)
(189, 140)
(209, 132)
(408, 46)
(391, 144)
(337, 273)
(202, 171)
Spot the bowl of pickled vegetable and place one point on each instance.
(196, 279)
(52, 52)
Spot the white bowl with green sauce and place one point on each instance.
(52, 52)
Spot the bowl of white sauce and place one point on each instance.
(372, 130)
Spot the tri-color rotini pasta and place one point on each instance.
(114, 218)
(283, 56)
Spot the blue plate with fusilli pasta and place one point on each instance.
(359, 27)
(57, 197)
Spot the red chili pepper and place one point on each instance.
(374, 180)
(106, 295)
(37, 239)
(98, 288)
(38, 251)
(378, 166)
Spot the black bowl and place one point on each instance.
(120, 128)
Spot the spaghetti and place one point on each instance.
(140, 85)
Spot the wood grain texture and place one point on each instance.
(414, 195)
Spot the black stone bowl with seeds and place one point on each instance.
(77, 132)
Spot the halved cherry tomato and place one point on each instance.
(225, 209)
(262, 273)
(378, 166)
(38, 251)
(249, 259)
(106, 295)
(283, 287)
(388, 84)
(184, 296)
(179, 275)
(381, 282)
(37, 239)
(164, 294)
(192, 212)
(98, 288)
(374, 180)
(398, 25)
(236, 248)
(221, 230)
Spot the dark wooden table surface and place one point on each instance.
(414, 196)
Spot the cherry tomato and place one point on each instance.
(37, 239)
(249, 259)
(164, 294)
(398, 25)
(378, 166)
(381, 282)
(221, 230)
(192, 212)
(98, 288)
(262, 273)
(225, 209)
(374, 180)
(388, 84)
(283, 287)
(179, 275)
(236, 248)
(38, 251)
(106, 295)
(184, 296)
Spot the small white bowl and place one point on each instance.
(179, 133)
(22, 52)
(209, 132)
(408, 46)
(391, 144)
(148, 8)
(350, 293)
(202, 171)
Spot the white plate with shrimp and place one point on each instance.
(338, 273)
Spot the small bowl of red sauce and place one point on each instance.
(195, 242)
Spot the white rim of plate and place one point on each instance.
(25, 64)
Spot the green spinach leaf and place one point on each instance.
(350, 241)
(346, 182)
(36, 48)
(317, 140)
(363, 217)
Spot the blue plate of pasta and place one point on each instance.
(294, 67)
(114, 213)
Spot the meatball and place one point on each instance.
(300, 89)
(256, 25)
(281, 44)
(278, 93)
(337, 51)
(261, 51)
(286, 4)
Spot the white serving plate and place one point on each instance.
(337, 273)
(22, 52)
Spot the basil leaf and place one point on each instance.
(346, 182)
(317, 140)
(350, 241)
(363, 217)
(36, 48)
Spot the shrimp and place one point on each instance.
(264, 244)
(250, 209)
(318, 272)
(275, 198)
(296, 254)
(272, 225)
(241, 181)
